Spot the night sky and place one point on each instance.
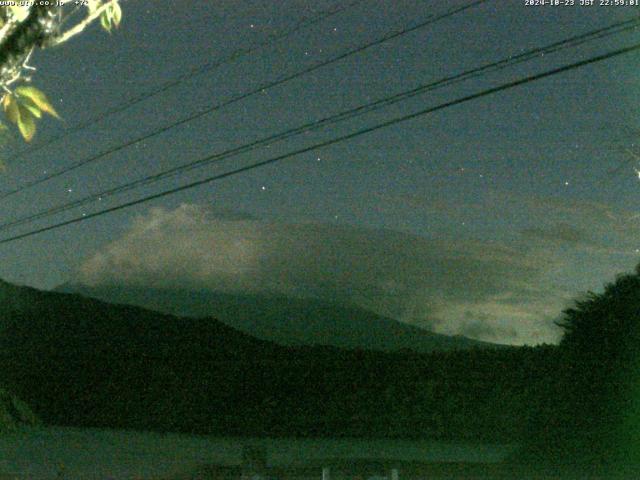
(485, 219)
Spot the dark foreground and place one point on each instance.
(437, 471)
(383, 470)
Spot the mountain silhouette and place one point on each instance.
(285, 320)
(82, 362)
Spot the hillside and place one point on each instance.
(285, 320)
(86, 363)
(14, 413)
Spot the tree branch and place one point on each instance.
(6, 29)
(80, 26)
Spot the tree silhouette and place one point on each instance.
(592, 406)
(602, 340)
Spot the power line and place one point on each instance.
(200, 70)
(326, 143)
(432, 19)
(348, 114)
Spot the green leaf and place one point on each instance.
(19, 114)
(32, 107)
(116, 13)
(10, 106)
(111, 16)
(26, 123)
(105, 20)
(30, 95)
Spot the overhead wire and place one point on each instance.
(194, 72)
(326, 143)
(510, 60)
(109, 151)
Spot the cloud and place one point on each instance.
(435, 284)
(480, 325)
(584, 242)
(559, 233)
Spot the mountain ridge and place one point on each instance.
(289, 321)
(82, 362)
